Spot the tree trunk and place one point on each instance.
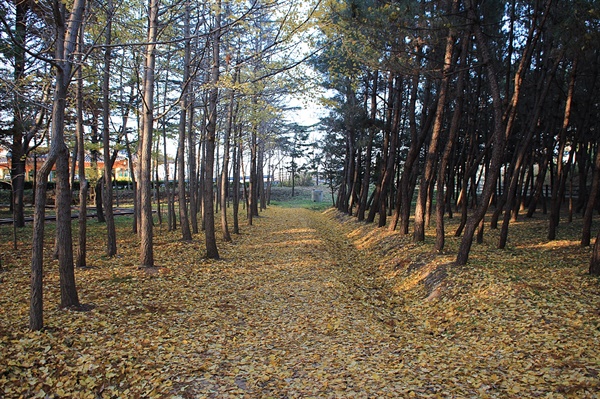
(18, 148)
(453, 131)
(595, 261)
(237, 157)
(225, 169)
(145, 167)
(432, 151)
(83, 183)
(563, 170)
(133, 183)
(209, 161)
(391, 158)
(589, 208)
(251, 198)
(402, 203)
(186, 233)
(364, 191)
(520, 157)
(65, 46)
(498, 140)
(378, 195)
(107, 192)
(192, 164)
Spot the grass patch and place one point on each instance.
(303, 203)
(303, 198)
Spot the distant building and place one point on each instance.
(35, 161)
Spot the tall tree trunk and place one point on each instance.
(133, 184)
(539, 184)
(364, 191)
(225, 169)
(251, 198)
(169, 191)
(186, 233)
(83, 183)
(192, 164)
(563, 170)
(378, 195)
(498, 139)
(156, 185)
(18, 148)
(261, 176)
(107, 192)
(391, 158)
(432, 151)
(402, 194)
(595, 261)
(453, 131)
(520, 156)
(237, 157)
(589, 208)
(209, 215)
(145, 186)
(59, 155)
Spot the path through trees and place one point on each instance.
(305, 304)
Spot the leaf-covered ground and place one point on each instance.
(310, 305)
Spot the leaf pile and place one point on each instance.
(308, 305)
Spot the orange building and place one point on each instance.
(35, 161)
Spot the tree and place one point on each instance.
(595, 261)
(209, 217)
(83, 182)
(67, 27)
(185, 104)
(432, 151)
(498, 137)
(25, 52)
(295, 147)
(144, 183)
(107, 192)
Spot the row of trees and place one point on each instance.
(98, 77)
(463, 104)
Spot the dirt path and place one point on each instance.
(294, 310)
(288, 327)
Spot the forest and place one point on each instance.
(442, 123)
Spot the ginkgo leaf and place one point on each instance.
(318, 306)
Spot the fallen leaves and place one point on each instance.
(309, 305)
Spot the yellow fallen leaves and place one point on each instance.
(295, 310)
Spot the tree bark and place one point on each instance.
(186, 233)
(18, 148)
(225, 169)
(237, 157)
(453, 131)
(520, 157)
(589, 208)
(83, 182)
(107, 192)
(145, 167)
(563, 169)
(192, 164)
(209, 161)
(59, 155)
(498, 139)
(432, 151)
(391, 158)
(378, 195)
(595, 261)
(364, 191)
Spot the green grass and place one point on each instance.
(282, 196)
(303, 203)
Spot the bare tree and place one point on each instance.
(67, 27)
